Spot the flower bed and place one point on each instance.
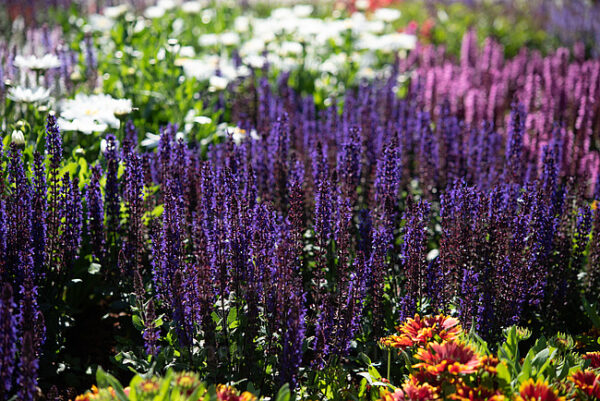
(257, 194)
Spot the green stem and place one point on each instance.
(389, 364)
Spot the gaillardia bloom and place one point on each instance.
(489, 364)
(465, 393)
(587, 382)
(228, 393)
(537, 391)
(594, 358)
(420, 331)
(454, 358)
(98, 394)
(386, 395)
(148, 387)
(187, 382)
(411, 390)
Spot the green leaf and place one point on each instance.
(540, 358)
(137, 322)
(165, 386)
(364, 358)
(591, 313)
(133, 385)
(232, 320)
(157, 211)
(374, 372)
(105, 379)
(284, 393)
(503, 373)
(562, 370)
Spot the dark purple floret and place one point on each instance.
(293, 340)
(112, 197)
(151, 333)
(514, 170)
(413, 253)
(28, 369)
(8, 338)
(39, 207)
(72, 210)
(53, 142)
(133, 196)
(95, 214)
(18, 213)
(53, 215)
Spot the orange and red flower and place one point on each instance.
(594, 358)
(537, 391)
(386, 395)
(587, 381)
(96, 394)
(412, 390)
(149, 386)
(489, 364)
(465, 393)
(450, 357)
(396, 341)
(420, 331)
(228, 393)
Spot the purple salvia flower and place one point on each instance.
(414, 251)
(112, 196)
(8, 338)
(131, 136)
(468, 295)
(91, 60)
(151, 333)
(387, 179)
(381, 245)
(28, 368)
(95, 214)
(32, 329)
(73, 219)
(323, 224)
(348, 166)
(593, 262)
(133, 196)
(18, 213)
(40, 206)
(278, 148)
(53, 216)
(514, 147)
(293, 340)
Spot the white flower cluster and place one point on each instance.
(290, 38)
(92, 113)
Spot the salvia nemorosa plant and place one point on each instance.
(378, 204)
(271, 256)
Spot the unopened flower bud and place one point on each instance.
(18, 138)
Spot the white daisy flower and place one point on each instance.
(32, 62)
(28, 95)
(151, 140)
(116, 11)
(191, 7)
(86, 126)
(102, 109)
(154, 12)
(217, 83)
(100, 23)
(387, 14)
